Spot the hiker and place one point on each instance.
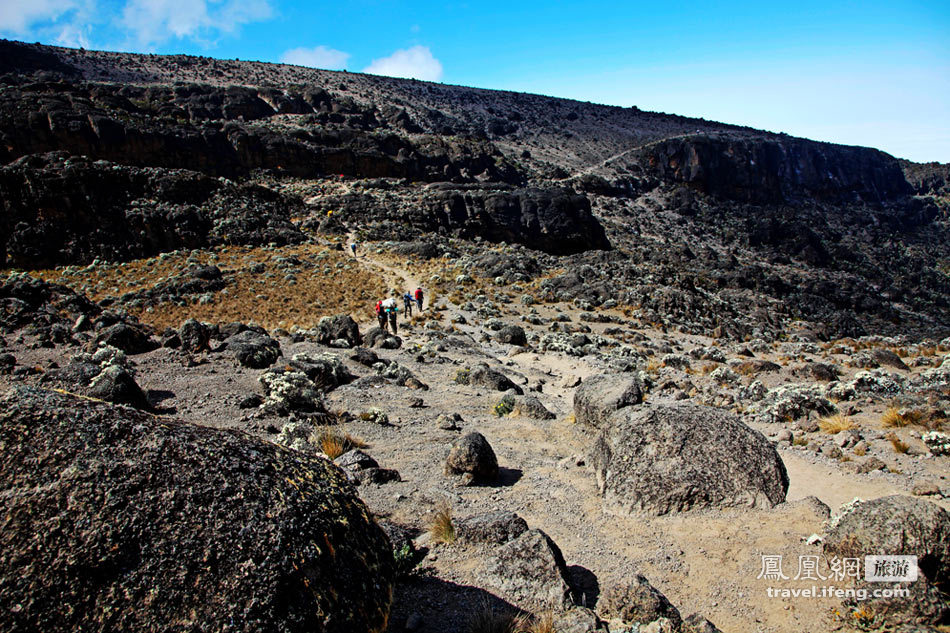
(353, 248)
(390, 308)
(419, 298)
(381, 315)
(407, 303)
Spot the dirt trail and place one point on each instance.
(367, 260)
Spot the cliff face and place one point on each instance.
(769, 171)
(139, 145)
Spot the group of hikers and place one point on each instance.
(386, 309)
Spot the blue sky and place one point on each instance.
(863, 73)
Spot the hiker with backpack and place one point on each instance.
(407, 303)
(390, 308)
(419, 298)
(381, 315)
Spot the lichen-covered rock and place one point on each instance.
(636, 601)
(491, 527)
(677, 457)
(696, 623)
(900, 525)
(399, 375)
(118, 520)
(530, 572)
(326, 371)
(531, 407)
(254, 349)
(472, 458)
(598, 397)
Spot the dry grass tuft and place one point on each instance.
(897, 418)
(441, 526)
(899, 446)
(334, 442)
(834, 424)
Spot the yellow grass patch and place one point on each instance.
(835, 424)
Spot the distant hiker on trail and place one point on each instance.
(390, 307)
(419, 298)
(353, 248)
(407, 303)
(381, 315)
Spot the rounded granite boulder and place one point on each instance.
(118, 520)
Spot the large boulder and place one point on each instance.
(337, 328)
(484, 376)
(194, 335)
(117, 520)
(530, 572)
(472, 458)
(636, 601)
(253, 349)
(131, 339)
(596, 399)
(678, 457)
(900, 525)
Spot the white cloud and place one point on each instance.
(152, 22)
(317, 57)
(416, 63)
(16, 16)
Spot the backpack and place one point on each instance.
(379, 307)
(418, 293)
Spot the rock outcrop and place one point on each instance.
(674, 458)
(598, 397)
(58, 209)
(904, 526)
(118, 520)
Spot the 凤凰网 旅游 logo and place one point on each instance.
(890, 568)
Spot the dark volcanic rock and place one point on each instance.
(116, 520)
(598, 397)
(901, 525)
(339, 327)
(28, 301)
(674, 458)
(115, 384)
(483, 376)
(552, 220)
(59, 210)
(511, 334)
(253, 349)
(472, 457)
(777, 170)
(194, 336)
(128, 338)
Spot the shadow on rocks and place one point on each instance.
(507, 477)
(426, 604)
(584, 585)
(156, 397)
